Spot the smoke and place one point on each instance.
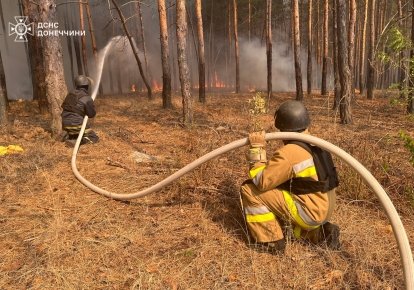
(253, 66)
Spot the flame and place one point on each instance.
(133, 88)
(156, 87)
(218, 83)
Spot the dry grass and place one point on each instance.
(57, 234)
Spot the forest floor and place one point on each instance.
(57, 234)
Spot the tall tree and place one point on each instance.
(371, 48)
(296, 48)
(351, 41)
(134, 49)
(401, 68)
(337, 83)
(410, 105)
(343, 64)
(201, 57)
(165, 56)
(362, 62)
(236, 46)
(31, 10)
(309, 68)
(83, 38)
(3, 94)
(144, 47)
(182, 62)
(324, 89)
(53, 67)
(269, 47)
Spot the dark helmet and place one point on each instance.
(292, 116)
(81, 81)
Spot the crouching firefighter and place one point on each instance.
(78, 104)
(295, 187)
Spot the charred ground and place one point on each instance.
(55, 233)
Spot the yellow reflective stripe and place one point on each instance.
(73, 127)
(308, 172)
(293, 210)
(260, 218)
(254, 172)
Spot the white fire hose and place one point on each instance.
(397, 226)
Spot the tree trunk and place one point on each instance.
(337, 83)
(324, 90)
(83, 39)
(182, 62)
(53, 68)
(410, 105)
(250, 19)
(362, 62)
(3, 95)
(351, 42)
(36, 58)
(91, 31)
(343, 58)
(401, 68)
(201, 57)
(309, 72)
(144, 47)
(165, 57)
(269, 47)
(371, 47)
(236, 47)
(296, 47)
(134, 49)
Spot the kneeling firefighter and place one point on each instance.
(78, 104)
(296, 186)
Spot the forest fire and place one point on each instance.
(133, 88)
(156, 87)
(217, 83)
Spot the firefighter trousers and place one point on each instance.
(266, 211)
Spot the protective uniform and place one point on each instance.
(266, 206)
(76, 106)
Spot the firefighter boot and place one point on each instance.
(275, 248)
(330, 235)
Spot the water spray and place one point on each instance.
(397, 226)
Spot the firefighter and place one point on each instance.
(78, 104)
(268, 208)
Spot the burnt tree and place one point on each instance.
(182, 62)
(165, 56)
(343, 64)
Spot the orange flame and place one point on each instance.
(156, 87)
(133, 88)
(218, 83)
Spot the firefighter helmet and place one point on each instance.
(81, 81)
(292, 116)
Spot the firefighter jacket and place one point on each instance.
(76, 106)
(288, 162)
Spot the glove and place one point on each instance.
(257, 153)
(257, 139)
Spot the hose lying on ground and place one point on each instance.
(397, 226)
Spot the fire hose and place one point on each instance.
(397, 226)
